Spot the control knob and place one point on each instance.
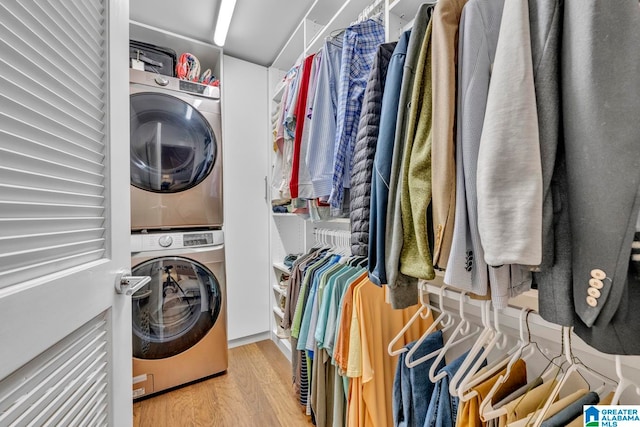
(165, 241)
(162, 81)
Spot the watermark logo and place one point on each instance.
(592, 417)
(611, 416)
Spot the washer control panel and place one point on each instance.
(165, 241)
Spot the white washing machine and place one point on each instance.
(179, 318)
(176, 153)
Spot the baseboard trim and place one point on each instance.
(249, 339)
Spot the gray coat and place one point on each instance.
(554, 276)
(365, 150)
(600, 108)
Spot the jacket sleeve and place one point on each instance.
(509, 167)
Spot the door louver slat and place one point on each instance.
(45, 158)
(45, 267)
(43, 210)
(82, 82)
(80, 25)
(9, 227)
(25, 242)
(71, 408)
(19, 111)
(20, 193)
(90, 13)
(52, 136)
(18, 177)
(47, 41)
(50, 24)
(54, 110)
(67, 381)
(21, 79)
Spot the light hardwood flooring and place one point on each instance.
(255, 391)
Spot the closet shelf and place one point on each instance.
(283, 338)
(277, 96)
(279, 290)
(278, 311)
(291, 215)
(280, 266)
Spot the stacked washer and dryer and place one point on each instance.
(179, 318)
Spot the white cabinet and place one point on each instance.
(245, 151)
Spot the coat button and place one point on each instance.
(596, 273)
(594, 292)
(592, 301)
(596, 283)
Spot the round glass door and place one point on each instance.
(176, 309)
(173, 147)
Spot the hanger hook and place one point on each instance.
(496, 324)
(524, 322)
(441, 297)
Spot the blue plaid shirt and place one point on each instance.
(358, 51)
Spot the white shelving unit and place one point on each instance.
(209, 55)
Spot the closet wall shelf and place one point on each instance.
(279, 290)
(280, 266)
(291, 215)
(277, 96)
(283, 342)
(278, 311)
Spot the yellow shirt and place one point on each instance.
(527, 403)
(379, 323)
(469, 415)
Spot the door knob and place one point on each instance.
(128, 285)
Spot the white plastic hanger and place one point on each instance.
(485, 336)
(424, 311)
(445, 318)
(574, 365)
(463, 330)
(524, 350)
(469, 381)
(623, 382)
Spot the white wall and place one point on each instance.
(245, 151)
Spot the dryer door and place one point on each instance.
(173, 147)
(176, 309)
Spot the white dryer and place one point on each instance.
(179, 318)
(176, 153)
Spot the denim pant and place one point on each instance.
(412, 388)
(443, 407)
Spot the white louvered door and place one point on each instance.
(65, 335)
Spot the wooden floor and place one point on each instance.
(255, 391)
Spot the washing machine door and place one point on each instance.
(173, 146)
(176, 309)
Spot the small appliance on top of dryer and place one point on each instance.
(179, 318)
(176, 153)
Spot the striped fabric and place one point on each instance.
(359, 46)
(322, 132)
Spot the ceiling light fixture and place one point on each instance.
(224, 20)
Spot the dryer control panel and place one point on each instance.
(159, 241)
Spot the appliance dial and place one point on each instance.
(162, 81)
(165, 241)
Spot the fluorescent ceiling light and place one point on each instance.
(224, 20)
